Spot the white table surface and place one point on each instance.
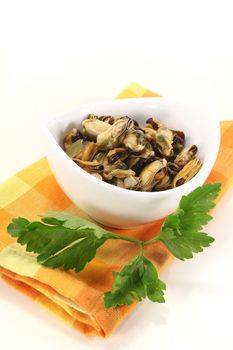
(57, 54)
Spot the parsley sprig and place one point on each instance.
(65, 241)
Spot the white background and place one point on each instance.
(57, 54)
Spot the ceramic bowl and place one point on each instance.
(121, 208)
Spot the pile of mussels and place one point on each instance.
(117, 150)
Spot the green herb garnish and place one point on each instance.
(70, 242)
(138, 279)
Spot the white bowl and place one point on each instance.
(117, 207)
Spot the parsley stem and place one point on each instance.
(142, 249)
(133, 240)
(129, 239)
(155, 239)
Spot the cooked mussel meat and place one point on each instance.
(151, 173)
(147, 153)
(101, 157)
(114, 135)
(97, 176)
(153, 123)
(172, 168)
(121, 152)
(186, 155)
(116, 154)
(135, 140)
(164, 139)
(187, 173)
(69, 137)
(119, 173)
(75, 149)
(132, 182)
(90, 167)
(92, 127)
(178, 141)
(163, 184)
(108, 119)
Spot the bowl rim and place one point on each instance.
(107, 186)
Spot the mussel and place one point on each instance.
(119, 153)
(83, 150)
(97, 176)
(164, 139)
(101, 157)
(132, 183)
(153, 123)
(135, 140)
(107, 119)
(114, 135)
(119, 173)
(117, 182)
(92, 127)
(186, 155)
(117, 150)
(90, 167)
(151, 173)
(89, 150)
(68, 139)
(137, 164)
(172, 168)
(163, 184)
(150, 134)
(187, 173)
(178, 141)
(75, 149)
(147, 153)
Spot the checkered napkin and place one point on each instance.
(78, 297)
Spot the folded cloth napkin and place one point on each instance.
(78, 297)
